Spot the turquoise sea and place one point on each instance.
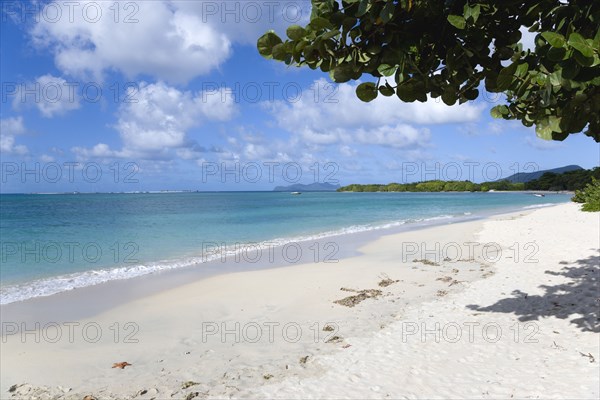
(53, 243)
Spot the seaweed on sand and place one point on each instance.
(360, 296)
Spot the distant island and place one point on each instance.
(575, 178)
(312, 187)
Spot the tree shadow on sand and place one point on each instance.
(578, 299)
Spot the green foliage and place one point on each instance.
(421, 48)
(504, 185)
(367, 91)
(430, 186)
(579, 197)
(589, 196)
(267, 43)
(427, 186)
(572, 180)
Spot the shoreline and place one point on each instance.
(177, 342)
(95, 299)
(213, 267)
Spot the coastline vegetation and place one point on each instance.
(571, 180)
(589, 196)
(568, 181)
(434, 186)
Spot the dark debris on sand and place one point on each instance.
(385, 282)
(361, 295)
(427, 262)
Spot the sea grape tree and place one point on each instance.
(454, 49)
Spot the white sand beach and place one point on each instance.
(506, 307)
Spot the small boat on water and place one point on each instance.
(296, 193)
(539, 195)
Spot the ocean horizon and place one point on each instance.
(52, 244)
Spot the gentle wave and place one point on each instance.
(539, 205)
(63, 283)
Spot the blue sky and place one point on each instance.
(151, 95)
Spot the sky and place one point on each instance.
(117, 96)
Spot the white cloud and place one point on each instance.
(12, 126)
(101, 150)
(347, 151)
(322, 137)
(245, 21)
(258, 148)
(9, 128)
(7, 145)
(314, 130)
(399, 136)
(51, 95)
(164, 42)
(343, 118)
(343, 107)
(158, 120)
(162, 114)
(257, 152)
